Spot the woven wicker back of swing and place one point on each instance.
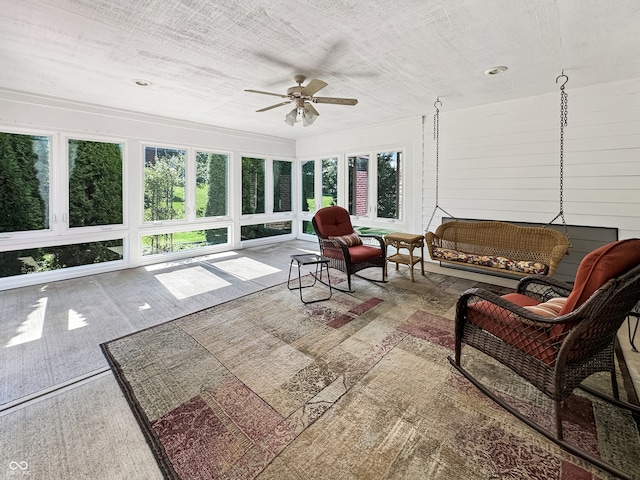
(501, 239)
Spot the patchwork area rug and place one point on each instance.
(357, 387)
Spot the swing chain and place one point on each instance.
(564, 110)
(436, 138)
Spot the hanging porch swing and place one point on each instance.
(497, 246)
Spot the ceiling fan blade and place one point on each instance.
(312, 87)
(273, 106)
(335, 100)
(267, 93)
(309, 107)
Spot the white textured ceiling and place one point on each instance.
(394, 57)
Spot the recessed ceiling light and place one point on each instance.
(496, 70)
(141, 83)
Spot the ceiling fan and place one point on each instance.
(302, 98)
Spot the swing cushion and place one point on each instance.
(520, 266)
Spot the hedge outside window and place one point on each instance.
(95, 183)
(212, 184)
(308, 190)
(24, 176)
(253, 185)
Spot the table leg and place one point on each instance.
(411, 261)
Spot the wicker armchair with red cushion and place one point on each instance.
(347, 250)
(553, 334)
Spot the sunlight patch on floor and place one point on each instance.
(76, 320)
(188, 282)
(31, 328)
(245, 268)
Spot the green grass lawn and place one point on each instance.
(372, 231)
(179, 200)
(327, 201)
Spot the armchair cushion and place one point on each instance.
(600, 266)
(333, 222)
(357, 253)
(362, 253)
(528, 337)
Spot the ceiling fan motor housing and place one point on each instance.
(295, 91)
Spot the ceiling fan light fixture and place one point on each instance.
(290, 118)
(308, 118)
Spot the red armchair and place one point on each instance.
(347, 250)
(552, 334)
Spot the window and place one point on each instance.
(282, 186)
(307, 227)
(94, 188)
(24, 176)
(264, 230)
(253, 185)
(308, 189)
(358, 185)
(43, 259)
(164, 174)
(329, 182)
(180, 241)
(389, 185)
(212, 180)
(95, 183)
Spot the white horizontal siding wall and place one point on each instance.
(502, 161)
